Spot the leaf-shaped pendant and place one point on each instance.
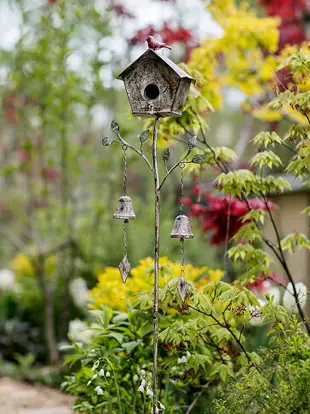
(106, 141)
(182, 288)
(198, 159)
(166, 154)
(124, 268)
(143, 136)
(114, 127)
(192, 142)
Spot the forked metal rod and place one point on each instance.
(156, 263)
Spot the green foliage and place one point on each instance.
(280, 385)
(295, 241)
(201, 341)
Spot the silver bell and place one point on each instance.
(182, 228)
(124, 209)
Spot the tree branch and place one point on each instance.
(226, 326)
(173, 168)
(135, 150)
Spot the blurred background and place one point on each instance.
(59, 186)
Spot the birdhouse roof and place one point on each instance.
(180, 72)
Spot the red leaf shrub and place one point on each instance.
(291, 12)
(222, 212)
(121, 11)
(166, 34)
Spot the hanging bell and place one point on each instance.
(182, 228)
(124, 209)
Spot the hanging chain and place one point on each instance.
(182, 258)
(182, 166)
(125, 229)
(125, 169)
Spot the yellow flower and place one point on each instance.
(22, 266)
(268, 115)
(112, 292)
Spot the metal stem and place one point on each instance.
(156, 262)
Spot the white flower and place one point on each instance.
(99, 390)
(141, 388)
(95, 366)
(143, 383)
(188, 354)
(94, 376)
(79, 292)
(184, 359)
(142, 372)
(136, 378)
(101, 373)
(289, 300)
(161, 406)
(7, 279)
(149, 392)
(79, 332)
(107, 374)
(180, 361)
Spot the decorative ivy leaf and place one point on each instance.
(166, 154)
(192, 142)
(198, 159)
(114, 127)
(106, 141)
(144, 136)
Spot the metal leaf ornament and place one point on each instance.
(192, 142)
(198, 159)
(166, 154)
(144, 136)
(114, 127)
(106, 141)
(183, 288)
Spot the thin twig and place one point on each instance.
(173, 168)
(15, 242)
(226, 326)
(285, 267)
(136, 150)
(190, 408)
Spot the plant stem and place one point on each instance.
(285, 267)
(156, 261)
(50, 336)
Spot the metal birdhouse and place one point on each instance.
(124, 209)
(156, 86)
(182, 228)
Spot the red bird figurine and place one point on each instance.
(154, 45)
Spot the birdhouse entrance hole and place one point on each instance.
(151, 91)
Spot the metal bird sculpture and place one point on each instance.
(154, 45)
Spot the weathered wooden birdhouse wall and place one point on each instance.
(156, 85)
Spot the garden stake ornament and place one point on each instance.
(156, 87)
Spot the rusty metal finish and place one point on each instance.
(124, 268)
(124, 209)
(156, 86)
(182, 228)
(182, 287)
